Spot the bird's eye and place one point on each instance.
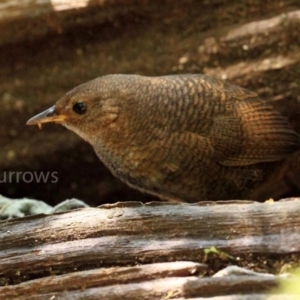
(80, 108)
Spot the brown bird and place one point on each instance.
(181, 137)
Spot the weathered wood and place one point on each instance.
(169, 280)
(130, 233)
(101, 277)
(168, 288)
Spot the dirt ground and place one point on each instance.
(174, 38)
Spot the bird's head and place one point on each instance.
(90, 109)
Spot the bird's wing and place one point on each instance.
(253, 133)
(237, 127)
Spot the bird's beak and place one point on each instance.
(49, 115)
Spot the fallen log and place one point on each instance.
(126, 234)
